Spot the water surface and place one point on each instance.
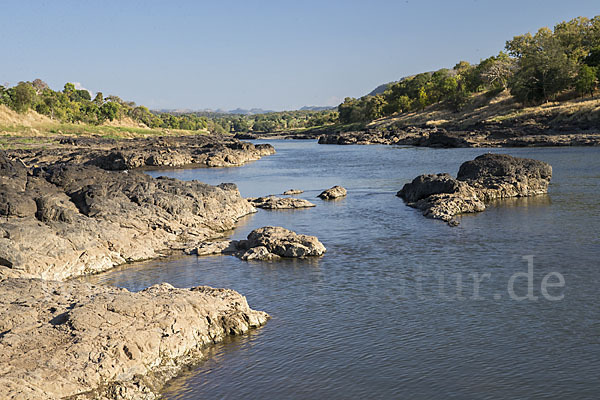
(381, 314)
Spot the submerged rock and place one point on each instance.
(333, 193)
(292, 192)
(267, 243)
(279, 203)
(74, 340)
(488, 177)
(217, 247)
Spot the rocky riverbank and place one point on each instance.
(124, 154)
(73, 340)
(74, 207)
(70, 220)
(439, 137)
(488, 177)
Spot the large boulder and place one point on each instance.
(501, 175)
(425, 185)
(503, 166)
(488, 177)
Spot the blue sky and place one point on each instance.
(270, 54)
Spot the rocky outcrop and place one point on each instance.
(279, 203)
(478, 137)
(76, 209)
(124, 154)
(245, 136)
(333, 193)
(267, 243)
(488, 177)
(73, 340)
(71, 220)
(293, 192)
(273, 242)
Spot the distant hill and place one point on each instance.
(380, 89)
(237, 111)
(251, 111)
(316, 108)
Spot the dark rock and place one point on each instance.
(425, 185)
(172, 151)
(503, 166)
(488, 177)
(245, 136)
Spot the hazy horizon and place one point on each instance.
(270, 55)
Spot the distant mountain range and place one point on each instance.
(238, 111)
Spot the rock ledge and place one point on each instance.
(74, 340)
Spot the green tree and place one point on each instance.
(81, 94)
(574, 36)
(345, 110)
(4, 95)
(587, 80)
(422, 99)
(109, 110)
(375, 106)
(24, 96)
(240, 124)
(544, 69)
(69, 88)
(98, 100)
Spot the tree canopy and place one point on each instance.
(536, 68)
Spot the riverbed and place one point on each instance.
(402, 306)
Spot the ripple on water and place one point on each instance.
(378, 316)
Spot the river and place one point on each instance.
(393, 309)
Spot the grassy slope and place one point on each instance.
(501, 108)
(32, 124)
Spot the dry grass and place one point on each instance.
(499, 108)
(32, 124)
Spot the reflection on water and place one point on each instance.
(523, 202)
(390, 310)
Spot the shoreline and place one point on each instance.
(64, 216)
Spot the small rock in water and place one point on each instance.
(292, 192)
(279, 203)
(333, 193)
(267, 243)
(280, 242)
